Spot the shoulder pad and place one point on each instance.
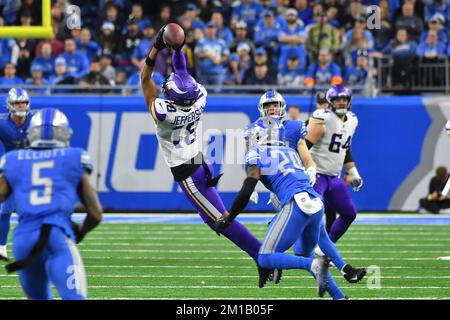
(320, 116)
(86, 161)
(159, 109)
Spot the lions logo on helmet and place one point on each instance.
(16, 96)
(49, 128)
(267, 131)
(272, 104)
(338, 91)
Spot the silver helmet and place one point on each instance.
(49, 128)
(272, 96)
(18, 95)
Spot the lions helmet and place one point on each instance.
(267, 131)
(49, 128)
(272, 96)
(338, 91)
(181, 88)
(18, 95)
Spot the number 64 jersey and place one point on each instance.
(329, 152)
(176, 128)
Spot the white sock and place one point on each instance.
(3, 251)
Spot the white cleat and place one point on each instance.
(318, 252)
(3, 253)
(319, 268)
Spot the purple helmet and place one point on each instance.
(335, 92)
(181, 88)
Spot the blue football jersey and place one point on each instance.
(44, 185)
(281, 171)
(295, 131)
(11, 135)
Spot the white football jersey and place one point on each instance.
(329, 152)
(176, 129)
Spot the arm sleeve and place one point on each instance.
(348, 156)
(179, 61)
(241, 200)
(86, 162)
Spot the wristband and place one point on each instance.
(354, 174)
(150, 62)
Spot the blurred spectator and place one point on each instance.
(46, 60)
(385, 33)
(94, 77)
(37, 80)
(298, 51)
(436, 201)
(142, 50)
(9, 52)
(112, 15)
(137, 12)
(163, 18)
(436, 6)
(25, 18)
(292, 75)
(305, 11)
(293, 34)
(408, 20)
(436, 23)
(400, 46)
(121, 77)
(332, 17)
(354, 12)
(240, 62)
(57, 46)
(127, 46)
(77, 63)
(241, 37)
(35, 7)
(59, 24)
(86, 46)
(108, 40)
(358, 74)
(26, 56)
(358, 41)
(192, 14)
(268, 35)
(360, 26)
(10, 78)
(260, 76)
(62, 76)
(324, 72)
(248, 11)
(432, 48)
(9, 11)
(211, 53)
(294, 112)
(206, 8)
(135, 81)
(106, 68)
(280, 21)
(321, 35)
(224, 33)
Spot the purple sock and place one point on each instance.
(338, 229)
(241, 237)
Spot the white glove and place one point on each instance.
(254, 198)
(357, 181)
(311, 172)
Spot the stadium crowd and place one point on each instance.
(289, 43)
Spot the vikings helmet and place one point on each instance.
(17, 95)
(49, 128)
(272, 96)
(181, 88)
(267, 131)
(335, 92)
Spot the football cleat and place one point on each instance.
(264, 275)
(353, 275)
(276, 275)
(3, 253)
(319, 268)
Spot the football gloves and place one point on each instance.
(311, 172)
(159, 42)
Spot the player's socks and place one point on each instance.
(329, 249)
(241, 237)
(4, 228)
(333, 289)
(338, 229)
(3, 252)
(284, 261)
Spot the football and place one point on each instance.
(173, 36)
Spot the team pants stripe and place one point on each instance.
(276, 230)
(203, 202)
(80, 273)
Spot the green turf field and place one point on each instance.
(172, 261)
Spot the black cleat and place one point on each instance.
(264, 275)
(276, 275)
(320, 270)
(3, 258)
(353, 275)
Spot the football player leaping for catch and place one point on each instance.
(176, 118)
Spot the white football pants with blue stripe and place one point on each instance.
(59, 263)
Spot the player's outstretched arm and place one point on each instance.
(89, 198)
(5, 190)
(241, 200)
(147, 83)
